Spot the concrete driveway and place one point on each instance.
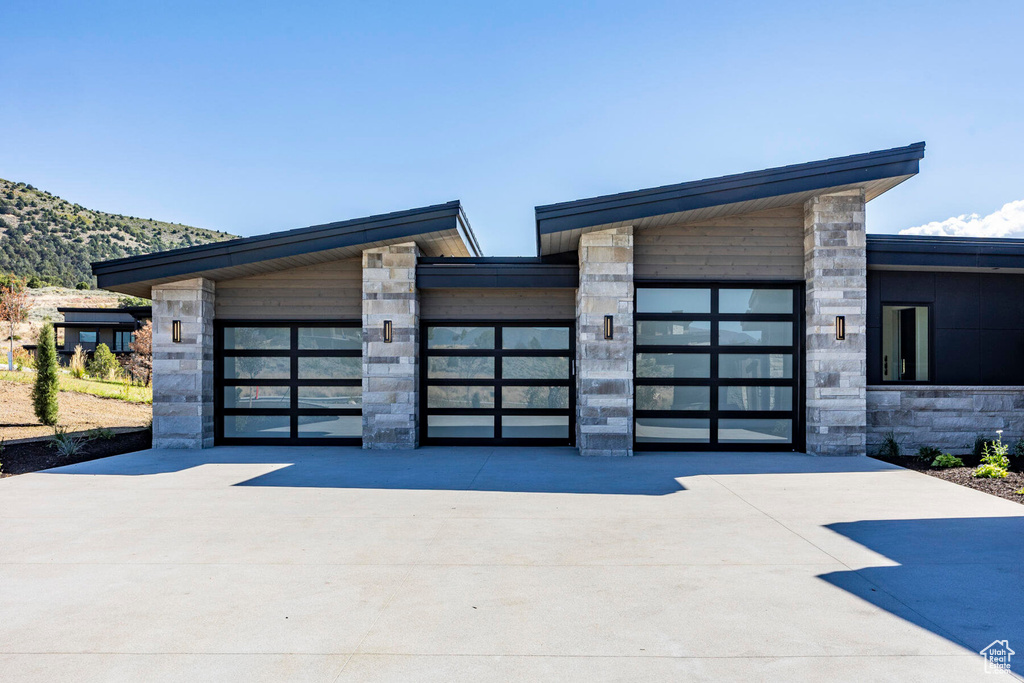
(335, 564)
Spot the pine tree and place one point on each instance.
(44, 394)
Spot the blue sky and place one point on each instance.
(253, 117)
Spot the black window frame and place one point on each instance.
(931, 344)
(497, 382)
(293, 412)
(713, 414)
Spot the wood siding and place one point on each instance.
(498, 304)
(325, 291)
(765, 245)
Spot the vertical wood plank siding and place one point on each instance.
(763, 245)
(498, 304)
(318, 292)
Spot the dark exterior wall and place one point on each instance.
(498, 304)
(977, 323)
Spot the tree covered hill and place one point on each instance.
(54, 241)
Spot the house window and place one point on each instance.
(906, 348)
(122, 338)
(87, 337)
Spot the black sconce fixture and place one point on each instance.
(387, 331)
(840, 327)
(176, 331)
(608, 326)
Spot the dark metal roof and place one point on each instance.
(938, 252)
(785, 180)
(134, 310)
(503, 272)
(193, 261)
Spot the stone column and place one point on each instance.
(604, 367)
(835, 269)
(183, 371)
(391, 379)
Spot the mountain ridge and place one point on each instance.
(50, 240)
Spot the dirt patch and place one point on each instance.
(33, 456)
(1004, 488)
(78, 412)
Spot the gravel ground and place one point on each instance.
(78, 412)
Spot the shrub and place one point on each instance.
(44, 393)
(77, 362)
(66, 445)
(989, 472)
(979, 447)
(890, 447)
(947, 460)
(22, 358)
(82, 285)
(928, 452)
(103, 363)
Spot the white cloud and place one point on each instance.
(1006, 222)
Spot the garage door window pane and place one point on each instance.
(330, 397)
(460, 367)
(330, 368)
(535, 397)
(535, 427)
(535, 368)
(257, 397)
(673, 398)
(664, 300)
(331, 338)
(535, 338)
(755, 365)
(447, 337)
(755, 431)
(257, 367)
(257, 426)
(674, 333)
(672, 430)
(461, 426)
(257, 338)
(677, 365)
(460, 397)
(755, 398)
(755, 301)
(755, 333)
(330, 426)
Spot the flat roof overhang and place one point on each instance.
(502, 272)
(559, 226)
(917, 252)
(439, 230)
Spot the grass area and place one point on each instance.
(94, 387)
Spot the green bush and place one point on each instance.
(996, 453)
(928, 452)
(44, 393)
(890, 447)
(82, 285)
(947, 460)
(103, 363)
(988, 471)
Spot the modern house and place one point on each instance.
(89, 327)
(747, 312)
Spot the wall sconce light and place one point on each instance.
(608, 327)
(176, 331)
(387, 331)
(840, 327)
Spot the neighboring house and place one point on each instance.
(749, 312)
(90, 327)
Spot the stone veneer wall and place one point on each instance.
(604, 367)
(391, 380)
(183, 372)
(835, 269)
(947, 417)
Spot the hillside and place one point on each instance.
(55, 240)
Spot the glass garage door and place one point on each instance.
(718, 367)
(288, 383)
(498, 383)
